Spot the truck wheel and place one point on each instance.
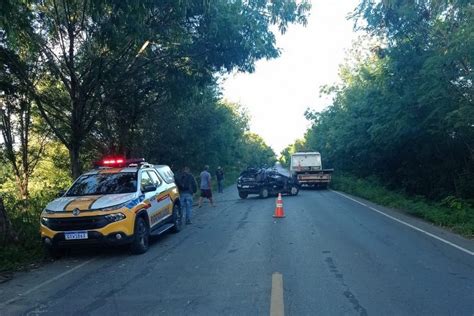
(294, 190)
(177, 219)
(243, 195)
(264, 193)
(141, 237)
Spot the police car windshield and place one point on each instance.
(104, 183)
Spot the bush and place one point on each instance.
(25, 223)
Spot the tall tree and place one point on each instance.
(404, 111)
(86, 47)
(24, 138)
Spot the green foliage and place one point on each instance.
(125, 57)
(404, 109)
(14, 257)
(451, 212)
(255, 153)
(136, 78)
(50, 176)
(25, 222)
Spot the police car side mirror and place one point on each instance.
(148, 188)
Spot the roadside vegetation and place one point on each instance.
(450, 212)
(80, 80)
(402, 112)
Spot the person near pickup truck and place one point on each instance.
(220, 179)
(205, 186)
(187, 187)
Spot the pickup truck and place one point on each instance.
(307, 168)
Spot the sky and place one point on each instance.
(277, 94)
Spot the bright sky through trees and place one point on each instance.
(280, 90)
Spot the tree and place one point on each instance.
(23, 137)
(404, 109)
(256, 153)
(85, 48)
(6, 232)
(16, 123)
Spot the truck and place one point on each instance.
(308, 170)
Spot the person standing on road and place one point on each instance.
(220, 179)
(205, 186)
(187, 187)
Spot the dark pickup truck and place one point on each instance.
(265, 182)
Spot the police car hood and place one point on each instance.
(88, 202)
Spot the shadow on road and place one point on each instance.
(84, 252)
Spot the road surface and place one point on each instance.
(330, 255)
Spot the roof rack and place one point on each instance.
(140, 163)
(145, 165)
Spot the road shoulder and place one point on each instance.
(430, 229)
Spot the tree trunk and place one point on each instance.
(6, 232)
(22, 184)
(76, 168)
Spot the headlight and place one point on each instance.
(115, 217)
(48, 211)
(45, 221)
(113, 208)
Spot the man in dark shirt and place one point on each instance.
(220, 179)
(187, 187)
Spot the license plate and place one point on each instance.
(75, 235)
(245, 186)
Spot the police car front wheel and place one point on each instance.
(54, 252)
(141, 237)
(177, 218)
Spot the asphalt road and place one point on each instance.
(330, 255)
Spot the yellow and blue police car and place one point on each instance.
(120, 202)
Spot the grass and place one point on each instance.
(26, 250)
(451, 212)
(15, 257)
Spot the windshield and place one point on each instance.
(104, 183)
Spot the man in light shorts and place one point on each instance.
(205, 186)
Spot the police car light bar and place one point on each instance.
(117, 162)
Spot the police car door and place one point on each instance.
(150, 197)
(163, 198)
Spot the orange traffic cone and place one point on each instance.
(279, 213)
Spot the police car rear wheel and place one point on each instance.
(264, 193)
(141, 238)
(177, 218)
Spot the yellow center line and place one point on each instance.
(277, 307)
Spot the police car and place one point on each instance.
(119, 202)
